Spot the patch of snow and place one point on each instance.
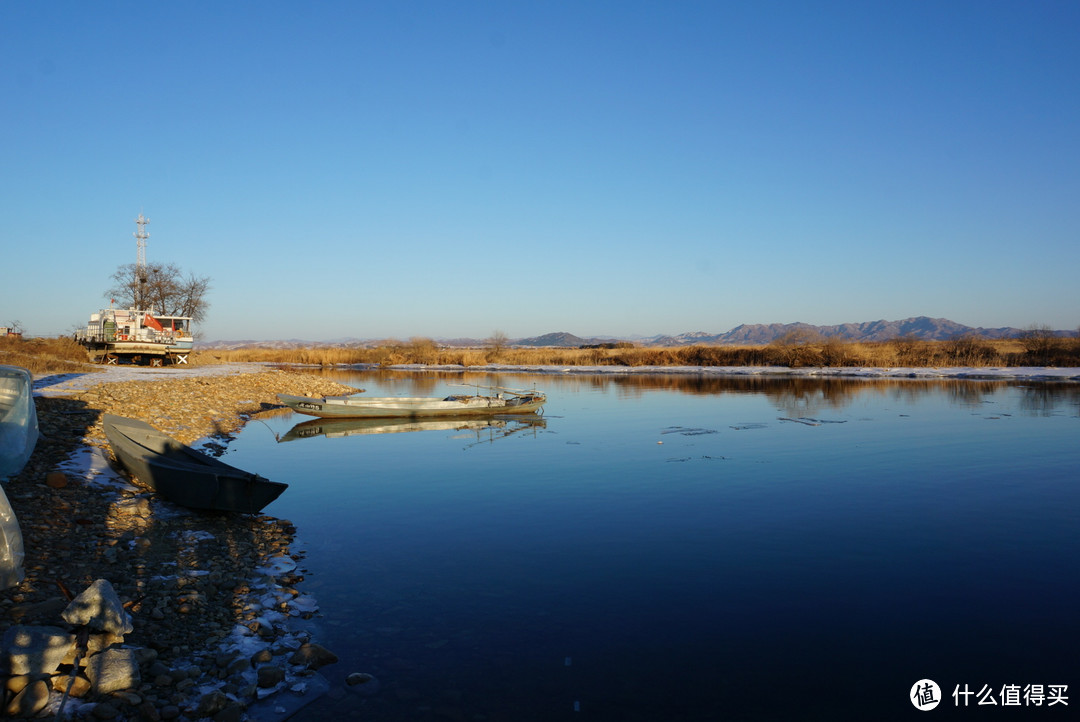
(276, 566)
(60, 384)
(1040, 373)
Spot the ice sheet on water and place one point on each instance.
(194, 536)
(276, 566)
(304, 604)
(684, 431)
(290, 700)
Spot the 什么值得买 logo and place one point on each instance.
(925, 694)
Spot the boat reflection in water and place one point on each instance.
(496, 427)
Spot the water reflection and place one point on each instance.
(691, 544)
(797, 396)
(492, 427)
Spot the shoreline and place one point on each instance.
(982, 373)
(218, 623)
(208, 632)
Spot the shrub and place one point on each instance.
(971, 350)
(1043, 347)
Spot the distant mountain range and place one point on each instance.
(920, 327)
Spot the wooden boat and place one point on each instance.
(18, 419)
(182, 474)
(335, 428)
(367, 407)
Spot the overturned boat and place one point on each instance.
(183, 475)
(505, 401)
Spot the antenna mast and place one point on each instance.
(140, 243)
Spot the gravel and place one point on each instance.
(188, 579)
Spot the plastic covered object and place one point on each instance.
(11, 545)
(18, 419)
(18, 437)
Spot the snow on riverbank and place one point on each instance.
(60, 384)
(1034, 373)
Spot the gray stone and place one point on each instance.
(211, 703)
(77, 686)
(145, 655)
(99, 608)
(100, 642)
(36, 650)
(113, 670)
(17, 683)
(105, 710)
(232, 713)
(362, 683)
(313, 656)
(238, 666)
(270, 675)
(31, 700)
(148, 712)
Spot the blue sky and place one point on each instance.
(445, 169)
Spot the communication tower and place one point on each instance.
(140, 245)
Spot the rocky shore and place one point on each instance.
(214, 600)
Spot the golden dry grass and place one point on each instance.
(61, 355)
(43, 355)
(964, 351)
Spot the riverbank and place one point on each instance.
(1033, 373)
(215, 600)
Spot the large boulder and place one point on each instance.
(36, 650)
(99, 608)
(29, 701)
(313, 656)
(113, 670)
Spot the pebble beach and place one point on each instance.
(216, 600)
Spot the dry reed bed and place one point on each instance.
(964, 351)
(1034, 349)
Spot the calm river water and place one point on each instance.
(684, 548)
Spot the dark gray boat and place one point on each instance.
(182, 474)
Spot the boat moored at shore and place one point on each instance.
(505, 401)
(182, 474)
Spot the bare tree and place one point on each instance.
(1041, 344)
(498, 342)
(162, 289)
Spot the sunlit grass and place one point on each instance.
(43, 355)
(59, 355)
(963, 351)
